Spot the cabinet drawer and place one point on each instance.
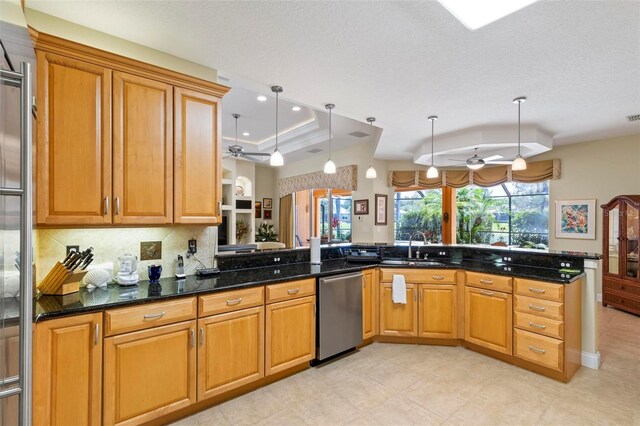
(539, 289)
(291, 290)
(541, 350)
(490, 282)
(537, 324)
(417, 276)
(622, 288)
(230, 301)
(150, 315)
(539, 307)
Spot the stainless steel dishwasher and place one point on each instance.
(339, 314)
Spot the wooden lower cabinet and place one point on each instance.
(398, 319)
(438, 313)
(149, 373)
(230, 351)
(290, 334)
(488, 319)
(67, 376)
(369, 304)
(9, 367)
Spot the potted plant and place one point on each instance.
(266, 233)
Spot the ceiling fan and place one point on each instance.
(237, 151)
(476, 162)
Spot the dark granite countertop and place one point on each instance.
(118, 296)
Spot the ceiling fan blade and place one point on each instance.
(493, 158)
(228, 155)
(499, 162)
(260, 154)
(248, 157)
(458, 160)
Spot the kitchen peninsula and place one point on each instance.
(546, 288)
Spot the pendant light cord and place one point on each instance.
(432, 123)
(519, 103)
(330, 135)
(277, 102)
(371, 141)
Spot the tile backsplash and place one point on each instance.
(110, 243)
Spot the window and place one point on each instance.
(315, 218)
(418, 211)
(511, 213)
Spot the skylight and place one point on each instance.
(476, 14)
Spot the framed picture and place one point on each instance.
(576, 219)
(267, 203)
(381, 209)
(267, 214)
(361, 207)
(258, 206)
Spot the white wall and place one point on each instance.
(68, 30)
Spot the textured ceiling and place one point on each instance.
(576, 61)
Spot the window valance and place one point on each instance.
(537, 171)
(344, 178)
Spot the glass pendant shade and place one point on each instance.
(519, 164)
(276, 159)
(432, 172)
(475, 166)
(371, 173)
(330, 167)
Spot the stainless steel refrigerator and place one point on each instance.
(16, 64)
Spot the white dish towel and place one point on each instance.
(399, 289)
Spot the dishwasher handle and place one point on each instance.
(340, 277)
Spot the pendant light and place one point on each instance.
(371, 172)
(330, 166)
(518, 162)
(432, 172)
(276, 158)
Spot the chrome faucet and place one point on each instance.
(424, 238)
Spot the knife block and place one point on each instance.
(61, 281)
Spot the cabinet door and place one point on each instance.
(67, 371)
(290, 334)
(73, 151)
(9, 371)
(231, 351)
(198, 158)
(142, 150)
(398, 319)
(488, 319)
(369, 304)
(149, 373)
(438, 317)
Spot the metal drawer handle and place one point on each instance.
(540, 326)
(117, 206)
(234, 301)
(106, 205)
(537, 308)
(486, 281)
(437, 277)
(537, 350)
(192, 338)
(96, 334)
(201, 336)
(487, 293)
(293, 290)
(537, 290)
(152, 316)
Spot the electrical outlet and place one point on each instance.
(151, 250)
(193, 246)
(73, 248)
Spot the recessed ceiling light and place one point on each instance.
(246, 134)
(295, 108)
(262, 98)
(475, 14)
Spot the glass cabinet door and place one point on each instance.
(614, 241)
(631, 241)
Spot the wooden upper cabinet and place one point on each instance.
(67, 371)
(73, 165)
(142, 150)
(198, 158)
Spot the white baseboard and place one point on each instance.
(599, 297)
(591, 360)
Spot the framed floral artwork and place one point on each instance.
(361, 207)
(576, 219)
(381, 209)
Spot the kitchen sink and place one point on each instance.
(417, 262)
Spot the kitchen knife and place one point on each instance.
(74, 258)
(87, 260)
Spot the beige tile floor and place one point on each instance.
(389, 384)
